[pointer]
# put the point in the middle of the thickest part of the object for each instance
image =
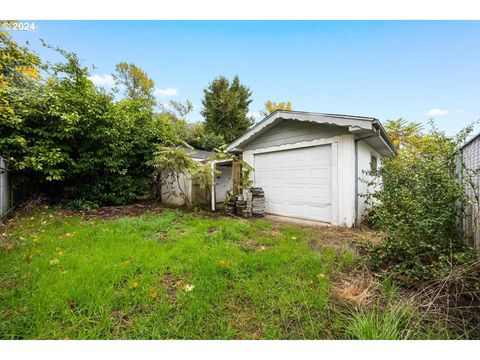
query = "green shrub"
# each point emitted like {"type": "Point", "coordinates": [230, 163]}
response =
{"type": "Point", "coordinates": [68, 139]}
{"type": "Point", "coordinates": [418, 203]}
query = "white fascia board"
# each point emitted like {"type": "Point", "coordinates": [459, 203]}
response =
{"type": "Point", "coordinates": [354, 123]}
{"type": "Point", "coordinates": [220, 162]}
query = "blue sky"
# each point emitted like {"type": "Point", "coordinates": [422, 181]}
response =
{"type": "Point", "coordinates": [385, 69]}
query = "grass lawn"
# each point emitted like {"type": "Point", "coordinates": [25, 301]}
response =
{"type": "Point", "coordinates": [176, 275]}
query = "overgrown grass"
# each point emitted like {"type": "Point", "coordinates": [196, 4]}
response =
{"type": "Point", "coordinates": [176, 275]}
{"type": "Point", "coordinates": [380, 324]}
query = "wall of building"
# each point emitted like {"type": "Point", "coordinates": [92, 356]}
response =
{"type": "Point", "coordinates": [172, 191]}
{"type": "Point", "coordinates": [287, 136]}
{"type": "Point", "coordinates": [364, 152]}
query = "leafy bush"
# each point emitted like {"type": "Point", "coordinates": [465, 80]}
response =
{"type": "Point", "coordinates": [66, 138]}
{"type": "Point", "coordinates": [170, 163]}
{"type": "Point", "coordinates": [418, 203]}
{"type": "Point", "coordinates": [193, 134]}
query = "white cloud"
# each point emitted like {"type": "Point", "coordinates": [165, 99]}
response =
{"type": "Point", "coordinates": [437, 112]}
{"type": "Point", "coordinates": [166, 92]}
{"type": "Point", "coordinates": [255, 114]}
{"type": "Point", "coordinates": [102, 80]}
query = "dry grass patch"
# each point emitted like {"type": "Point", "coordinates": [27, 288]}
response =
{"type": "Point", "coordinates": [357, 287]}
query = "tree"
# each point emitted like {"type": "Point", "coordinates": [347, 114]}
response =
{"type": "Point", "coordinates": [270, 107]}
{"type": "Point", "coordinates": [193, 134]}
{"type": "Point", "coordinates": [225, 108]}
{"type": "Point", "coordinates": [402, 132]}
{"type": "Point", "coordinates": [182, 109]}
{"type": "Point", "coordinates": [68, 139]}
{"type": "Point", "coordinates": [19, 70]}
{"type": "Point", "coordinates": [199, 138]}
{"type": "Point", "coordinates": [136, 82]}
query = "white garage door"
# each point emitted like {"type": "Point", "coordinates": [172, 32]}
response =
{"type": "Point", "coordinates": [297, 183]}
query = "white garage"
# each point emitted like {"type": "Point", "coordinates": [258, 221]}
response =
{"type": "Point", "coordinates": [311, 165]}
{"type": "Point", "coordinates": [297, 183]}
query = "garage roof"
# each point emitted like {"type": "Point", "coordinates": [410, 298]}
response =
{"type": "Point", "coordinates": [368, 129]}
{"type": "Point", "coordinates": [199, 154]}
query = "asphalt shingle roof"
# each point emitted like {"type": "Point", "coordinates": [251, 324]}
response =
{"type": "Point", "coordinates": [199, 154]}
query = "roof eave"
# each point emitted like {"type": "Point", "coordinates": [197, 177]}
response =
{"type": "Point", "coordinates": [349, 121]}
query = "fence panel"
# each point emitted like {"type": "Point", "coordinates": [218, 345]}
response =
{"type": "Point", "coordinates": [470, 154]}
{"type": "Point", "coordinates": [5, 190]}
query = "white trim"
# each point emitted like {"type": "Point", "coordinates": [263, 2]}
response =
{"type": "Point", "coordinates": [226, 161]}
{"type": "Point", "coordinates": [343, 172]}
{"type": "Point", "coordinates": [346, 180]}
{"type": "Point", "coordinates": [212, 192]}
{"type": "Point", "coordinates": [335, 197]}
{"type": "Point", "coordinates": [338, 203]}
{"type": "Point", "coordinates": [351, 122]}
{"type": "Point", "coordinates": [301, 144]}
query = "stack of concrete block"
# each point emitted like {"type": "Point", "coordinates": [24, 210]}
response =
{"type": "Point", "coordinates": [258, 201]}
{"type": "Point", "coordinates": [247, 212]}
{"type": "Point", "coordinates": [230, 208]}
{"type": "Point", "coordinates": [248, 209]}
{"type": "Point", "coordinates": [241, 205]}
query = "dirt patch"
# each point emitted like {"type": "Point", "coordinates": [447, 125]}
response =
{"type": "Point", "coordinates": [114, 212]}
{"type": "Point", "coordinates": [251, 245]}
{"type": "Point", "coordinates": [170, 284]}
{"type": "Point", "coordinates": [161, 237]}
{"type": "Point", "coordinates": [71, 304]}
{"type": "Point", "coordinates": [10, 283]}
{"type": "Point", "coordinates": [275, 232]}
{"type": "Point", "coordinates": [242, 317]}
{"type": "Point", "coordinates": [340, 237]}
{"type": "Point", "coordinates": [121, 322]}
{"type": "Point", "coordinates": [5, 313]}
{"type": "Point", "coordinates": [338, 234]}
{"type": "Point", "coordinates": [212, 229]}
{"type": "Point", "coordinates": [283, 220]}
{"type": "Point", "coordinates": [314, 245]}
{"type": "Point", "coordinates": [290, 324]}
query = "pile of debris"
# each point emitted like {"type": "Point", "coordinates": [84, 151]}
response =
{"type": "Point", "coordinates": [230, 207]}
{"type": "Point", "coordinates": [253, 205]}
{"type": "Point", "coordinates": [243, 209]}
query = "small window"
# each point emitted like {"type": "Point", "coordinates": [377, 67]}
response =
{"type": "Point", "coordinates": [373, 163]}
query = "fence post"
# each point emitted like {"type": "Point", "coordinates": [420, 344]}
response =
{"type": "Point", "coordinates": [5, 190]}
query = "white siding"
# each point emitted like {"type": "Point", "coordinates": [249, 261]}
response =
{"type": "Point", "coordinates": [292, 132]}
{"type": "Point", "coordinates": [171, 193]}
{"type": "Point", "coordinates": [364, 152]}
